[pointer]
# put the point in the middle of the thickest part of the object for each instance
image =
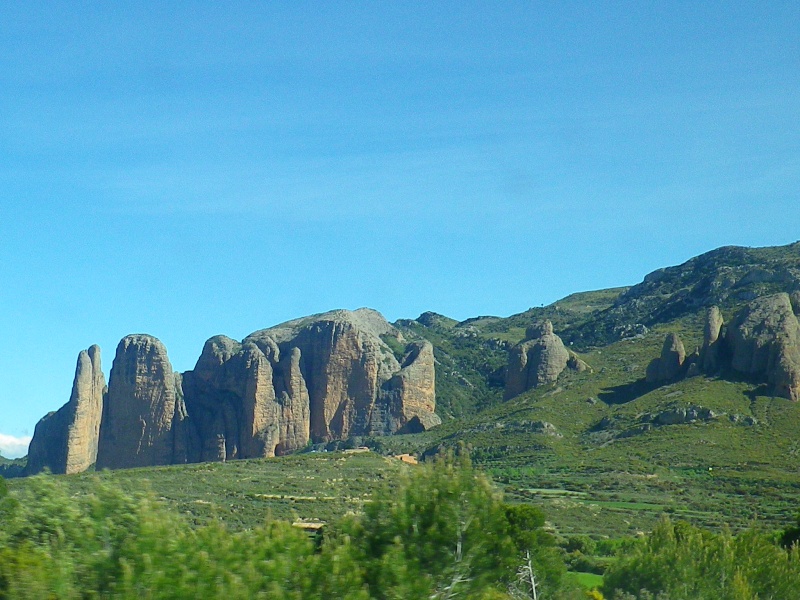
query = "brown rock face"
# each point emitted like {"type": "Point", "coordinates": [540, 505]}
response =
{"type": "Point", "coordinates": [293, 403]}
{"type": "Point", "coordinates": [66, 441]}
{"type": "Point", "coordinates": [356, 386]}
{"type": "Point", "coordinates": [712, 343]}
{"type": "Point", "coordinates": [141, 405]}
{"type": "Point", "coordinates": [324, 377]}
{"type": "Point", "coordinates": [344, 370]}
{"type": "Point", "coordinates": [247, 403]}
{"type": "Point", "coordinates": [48, 446]}
{"type": "Point", "coordinates": [407, 401]}
{"type": "Point", "coordinates": [764, 341]}
{"type": "Point", "coordinates": [538, 360]}
{"type": "Point", "coordinates": [321, 378]}
{"type": "Point", "coordinates": [88, 391]}
{"type": "Point", "coordinates": [713, 326]}
{"type": "Point", "coordinates": [670, 364]}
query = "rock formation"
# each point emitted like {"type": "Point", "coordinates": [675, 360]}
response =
{"type": "Point", "coordinates": [66, 441]}
{"type": "Point", "coordinates": [408, 399]}
{"type": "Point", "coordinates": [678, 416]}
{"type": "Point", "coordinates": [143, 407]}
{"type": "Point", "coordinates": [537, 360]}
{"type": "Point", "coordinates": [710, 359]}
{"type": "Point", "coordinates": [322, 378]}
{"type": "Point", "coordinates": [356, 385]}
{"type": "Point", "coordinates": [577, 364]}
{"type": "Point", "coordinates": [670, 364]}
{"type": "Point", "coordinates": [764, 341]}
{"type": "Point", "coordinates": [247, 402]}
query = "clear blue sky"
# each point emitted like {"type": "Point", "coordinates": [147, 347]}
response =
{"type": "Point", "coordinates": [192, 168]}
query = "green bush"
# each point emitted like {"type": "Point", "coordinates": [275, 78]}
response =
{"type": "Point", "coordinates": [111, 544]}
{"type": "Point", "coordinates": [445, 527]}
{"type": "Point", "coordinates": [679, 561]}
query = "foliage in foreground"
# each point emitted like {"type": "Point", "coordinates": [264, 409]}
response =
{"type": "Point", "coordinates": [680, 562]}
{"type": "Point", "coordinates": [443, 533]}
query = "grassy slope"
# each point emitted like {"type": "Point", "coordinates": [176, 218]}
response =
{"type": "Point", "coordinates": [244, 493]}
{"type": "Point", "coordinates": [625, 479]}
{"type": "Point", "coordinates": [604, 475]}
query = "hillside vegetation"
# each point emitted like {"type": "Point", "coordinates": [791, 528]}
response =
{"type": "Point", "coordinates": [586, 444]}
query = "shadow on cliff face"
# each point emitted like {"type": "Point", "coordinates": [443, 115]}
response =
{"type": "Point", "coordinates": [622, 394]}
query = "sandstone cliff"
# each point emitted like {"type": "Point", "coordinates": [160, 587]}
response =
{"type": "Point", "coordinates": [407, 401]}
{"type": "Point", "coordinates": [247, 402]}
{"type": "Point", "coordinates": [142, 408]}
{"type": "Point", "coordinates": [325, 377]}
{"type": "Point", "coordinates": [356, 385]}
{"type": "Point", "coordinates": [66, 441]}
{"type": "Point", "coordinates": [764, 341]}
{"type": "Point", "coordinates": [710, 354]}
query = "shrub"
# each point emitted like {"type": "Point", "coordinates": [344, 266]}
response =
{"type": "Point", "coordinates": [681, 561]}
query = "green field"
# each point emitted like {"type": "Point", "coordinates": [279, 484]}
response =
{"type": "Point", "coordinates": [243, 494]}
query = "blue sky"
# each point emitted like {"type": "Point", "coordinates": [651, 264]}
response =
{"type": "Point", "coordinates": [189, 169]}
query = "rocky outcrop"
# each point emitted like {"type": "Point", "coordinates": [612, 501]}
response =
{"type": "Point", "coordinates": [247, 402]}
{"type": "Point", "coordinates": [537, 360]}
{"type": "Point", "coordinates": [356, 385]}
{"type": "Point", "coordinates": [66, 441]}
{"type": "Point", "coordinates": [407, 401]}
{"type": "Point", "coordinates": [47, 449]}
{"type": "Point", "coordinates": [322, 378]}
{"type": "Point", "coordinates": [345, 363]}
{"type": "Point", "coordinates": [710, 359]}
{"type": "Point", "coordinates": [723, 277]}
{"type": "Point", "coordinates": [670, 364]}
{"type": "Point", "coordinates": [686, 414]}
{"type": "Point", "coordinates": [143, 411]}
{"type": "Point", "coordinates": [577, 364]}
{"type": "Point", "coordinates": [764, 341]}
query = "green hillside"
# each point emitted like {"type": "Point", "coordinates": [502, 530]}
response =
{"type": "Point", "coordinates": [588, 444]}
{"type": "Point", "coordinates": [594, 449]}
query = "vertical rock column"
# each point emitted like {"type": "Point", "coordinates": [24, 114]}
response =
{"type": "Point", "coordinates": [140, 406]}
{"type": "Point", "coordinates": [66, 441]}
{"type": "Point", "coordinates": [88, 391]}
{"type": "Point", "coordinates": [671, 363]}
{"type": "Point", "coordinates": [712, 340]}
